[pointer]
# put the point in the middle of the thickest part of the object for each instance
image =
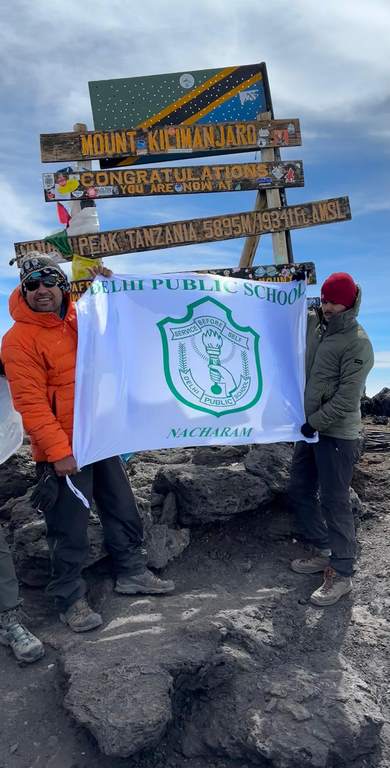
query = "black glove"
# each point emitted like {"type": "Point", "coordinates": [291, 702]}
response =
{"type": "Point", "coordinates": [45, 493]}
{"type": "Point", "coordinates": [307, 430]}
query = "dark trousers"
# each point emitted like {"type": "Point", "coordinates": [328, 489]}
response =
{"type": "Point", "coordinates": [9, 587]}
{"type": "Point", "coordinates": [321, 475]}
{"type": "Point", "coordinates": [107, 483]}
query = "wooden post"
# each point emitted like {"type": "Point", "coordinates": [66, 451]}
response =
{"type": "Point", "coordinates": [82, 128]}
{"type": "Point", "coordinates": [271, 198]}
{"type": "Point", "coordinates": [78, 214]}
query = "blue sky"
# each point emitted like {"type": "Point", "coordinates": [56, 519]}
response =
{"type": "Point", "coordinates": [328, 66]}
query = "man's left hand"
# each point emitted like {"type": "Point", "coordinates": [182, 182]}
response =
{"type": "Point", "coordinates": [98, 270]}
{"type": "Point", "coordinates": [307, 430]}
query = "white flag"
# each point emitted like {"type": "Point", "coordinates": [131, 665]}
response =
{"type": "Point", "coordinates": [11, 427]}
{"type": "Point", "coordinates": [167, 361]}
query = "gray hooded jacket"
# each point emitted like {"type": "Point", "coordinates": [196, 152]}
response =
{"type": "Point", "coordinates": [339, 356]}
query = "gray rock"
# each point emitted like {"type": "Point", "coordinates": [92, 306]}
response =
{"type": "Point", "coordinates": [271, 463]}
{"type": "Point", "coordinates": [156, 499]}
{"type": "Point", "coordinates": [31, 554]}
{"type": "Point", "coordinates": [164, 544]}
{"type": "Point", "coordinates": [380, 420]}
{"type": "Point", "coordinates": [129, 711]}
{"type": "Point", "coordinates": [290, 717]}
{"type": "Point", "coordinates": [17, 475]}
{"type": "Point", "coordinates": [380, 403]}
{"type": "Point", "coordinates": [6, 509]}
{"type": "Point", "coordinates": [31, 551]}
{"type": "Point", "coordinates": [203, 496]}
{"type": "Point", "coordinates": [220, 682]}
{"type": "Point", "coordinates": [169, 509]}
{"type": "Point", "coordinates": [19, 511]}
{"type": "Point", "coordinates": [121, 685]}
{"type": "Point", "coordinates": [163, 456]}
{"type": "Point", "coordinates": [215, 456]}
{"type": "Point", "coordinates": [365, 405]}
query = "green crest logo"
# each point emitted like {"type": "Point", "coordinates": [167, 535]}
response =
{"type": "Point", "coordinates": [211, 363]}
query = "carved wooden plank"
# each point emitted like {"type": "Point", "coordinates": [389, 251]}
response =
{"type": "Point", "coordinates": [281, 273]}
{"type": "Point", "coordinates": [135, 182]}
{"type": "Point", "coordinates": [198, 138]}
{"type": "Point", "coordinates": [273, 273]}
{"type": "Point", "coordinates": [204, 230]}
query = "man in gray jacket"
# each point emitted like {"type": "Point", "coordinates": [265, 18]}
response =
{"type": "Point", "coordinates": [339, 356]}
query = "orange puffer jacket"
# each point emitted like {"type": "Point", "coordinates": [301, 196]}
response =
{"type": "Point", "coordinates": [39, 356]}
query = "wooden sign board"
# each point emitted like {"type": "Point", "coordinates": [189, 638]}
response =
{"type": "Point", "coordinates": [204, 230]}
{"type": "Point", "coordinates": [272, 273]}
{"type": "Point", "coordinates": [264, 273]}
{"type": "Point", "coordinates": [174, 98]}
{"type": "Point", "coordinates": [66, 184]}
{"type": "Point", "coordinates": [206, 138]}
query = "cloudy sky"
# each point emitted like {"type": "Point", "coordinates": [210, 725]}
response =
{"type": "Point", "coordinates": [328, 65]}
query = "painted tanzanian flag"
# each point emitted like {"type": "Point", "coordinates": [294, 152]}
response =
{"type": "Point", "coordinates": [207, 95]}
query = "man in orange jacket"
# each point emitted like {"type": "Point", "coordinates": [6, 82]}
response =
{"type": "Point", "coordinates": [39, 355]}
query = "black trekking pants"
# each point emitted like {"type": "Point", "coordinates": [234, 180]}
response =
{"type": "Point", "coordinates": [320, 478]}
{"type": "Point", "coordinates": [107, 483]}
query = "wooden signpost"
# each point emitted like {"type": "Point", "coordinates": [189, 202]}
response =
{"type": "Point", "coordinates": [264, 272]}
{"type": "Point", "coordinates": [201, 138]}
{"type": "Point", "coordinates": [202, 230]}
{"type": "Point", "coordinates": [66, 184]}
{"type": "Point", "coordinates": [171, 124]}
{"type": "Point", "coordinates": [270, 273]}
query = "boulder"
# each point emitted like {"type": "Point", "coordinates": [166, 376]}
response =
{"type": "Point", "coordinates": [121, 685]}
{"type": "Point", "coordinates": [17, 475]}
{"type": "Point", "coordinates": [380, 420]}
{"type": "Point", "coordinates": [290, 717]}
{"type": "Point", "coordinates": [164, 543]}
{"type": "Point", "coordinates": [380, 403]}
{"type": "Point", "coordinates": [366, 406]}
{"type": "Point", "coordinates": [204, 495]}
{"type": "Point", "coordinates": [272, 464]}
{"type": "Point", "coordinates": [31, 551]}
{"type": "Point", "coordinates": [162, 456]}
{"type": "Point", "coordinates": [222, 683]}
{"type": "Point", "coordinates": [215, 456]}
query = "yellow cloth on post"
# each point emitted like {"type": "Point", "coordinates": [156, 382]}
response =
{"type": "Point", "coordinates": [81, 265]}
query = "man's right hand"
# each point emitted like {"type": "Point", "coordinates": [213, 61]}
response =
{"type": "Point", "coordinates": [66, 466]}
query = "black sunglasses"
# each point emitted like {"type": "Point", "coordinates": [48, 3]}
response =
{"type": "Point", "coordinates": [49, 281]}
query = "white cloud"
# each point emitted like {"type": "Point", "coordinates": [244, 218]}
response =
{"type": "Point", "coordinates": [20, 215]}
{"type": "Point", "coordinates": [328, 60]}
{"type": "Point", "coordinates": [365, 207]}
{"type": "Point", "coordinates": [382, 359]}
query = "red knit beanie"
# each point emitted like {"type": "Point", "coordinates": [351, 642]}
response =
{"type": "Point", "coordinates": [339, 288]}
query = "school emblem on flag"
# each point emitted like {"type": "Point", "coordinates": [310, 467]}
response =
{"type": "Point", "coordinates": [211, 363]}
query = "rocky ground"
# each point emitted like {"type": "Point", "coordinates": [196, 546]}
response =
{"type": "Point", "coordinates": [236, 668]}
